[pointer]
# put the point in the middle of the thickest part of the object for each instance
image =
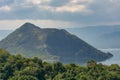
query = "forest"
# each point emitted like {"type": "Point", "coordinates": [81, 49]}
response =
{"type": "Point", "coordinates": [17, 67]}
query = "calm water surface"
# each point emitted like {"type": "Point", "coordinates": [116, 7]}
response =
{"type": "Point", "coordinates": [116, 56]}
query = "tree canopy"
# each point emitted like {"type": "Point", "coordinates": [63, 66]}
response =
{"type": "Point", "coordinates": [16, 67]}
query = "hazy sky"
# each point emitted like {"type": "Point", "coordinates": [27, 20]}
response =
{"type": "Point", "coordinates": [59, 13]}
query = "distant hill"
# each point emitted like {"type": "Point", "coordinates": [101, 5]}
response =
{"type": "Point", "coordinates": [51, 44]}
{"type": "Point", "coordinates": [112, 39]}
{"type": "Point", "coordinates": [99, 36]}
{"type": "Point", "coordinates": [4, 33]}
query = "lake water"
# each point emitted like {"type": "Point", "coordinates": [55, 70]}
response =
{"type": "Point", "coordinates": [115, 59]}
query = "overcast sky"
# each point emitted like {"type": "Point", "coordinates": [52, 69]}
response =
{"type": "Point", "coordinates": [59, 13]}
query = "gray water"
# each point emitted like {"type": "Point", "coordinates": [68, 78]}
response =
{"type": "Point", "coordinates": [116, 56]}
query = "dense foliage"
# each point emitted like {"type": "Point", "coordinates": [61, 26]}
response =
{"type": "Point", "coordinates": [16, 67]}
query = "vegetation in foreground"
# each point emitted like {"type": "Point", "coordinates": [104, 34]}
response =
{"type": "Point", "coordinates": [16, 67]}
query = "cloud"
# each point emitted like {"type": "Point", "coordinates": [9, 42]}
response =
{"type": "Point", "coordinates": [71, 8]}
{"type": "Point", "coordinates": [67, 6]}
{"type": "Point", "coordinates": [81, 1]}
{"type": "Point", "coordinates": [55, 5]}
{"type": "Point", "coordinates": [37, 2]}
{"type": "Point", "coordinates": [45, 9]}
{"type": "Point", "coordinates": [106, 9]}
{"type": "Point", "coordinates": [78, 11]}
{"type": "Point", "coordinates": [5, 8]}
{"type": "Point", "coordinates": [6, 2]}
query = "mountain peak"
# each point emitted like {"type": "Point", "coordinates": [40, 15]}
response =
{"type": "Point", "coordinates": [50, 44]}
{"type": "Point", "coordinates": [28, 26]}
